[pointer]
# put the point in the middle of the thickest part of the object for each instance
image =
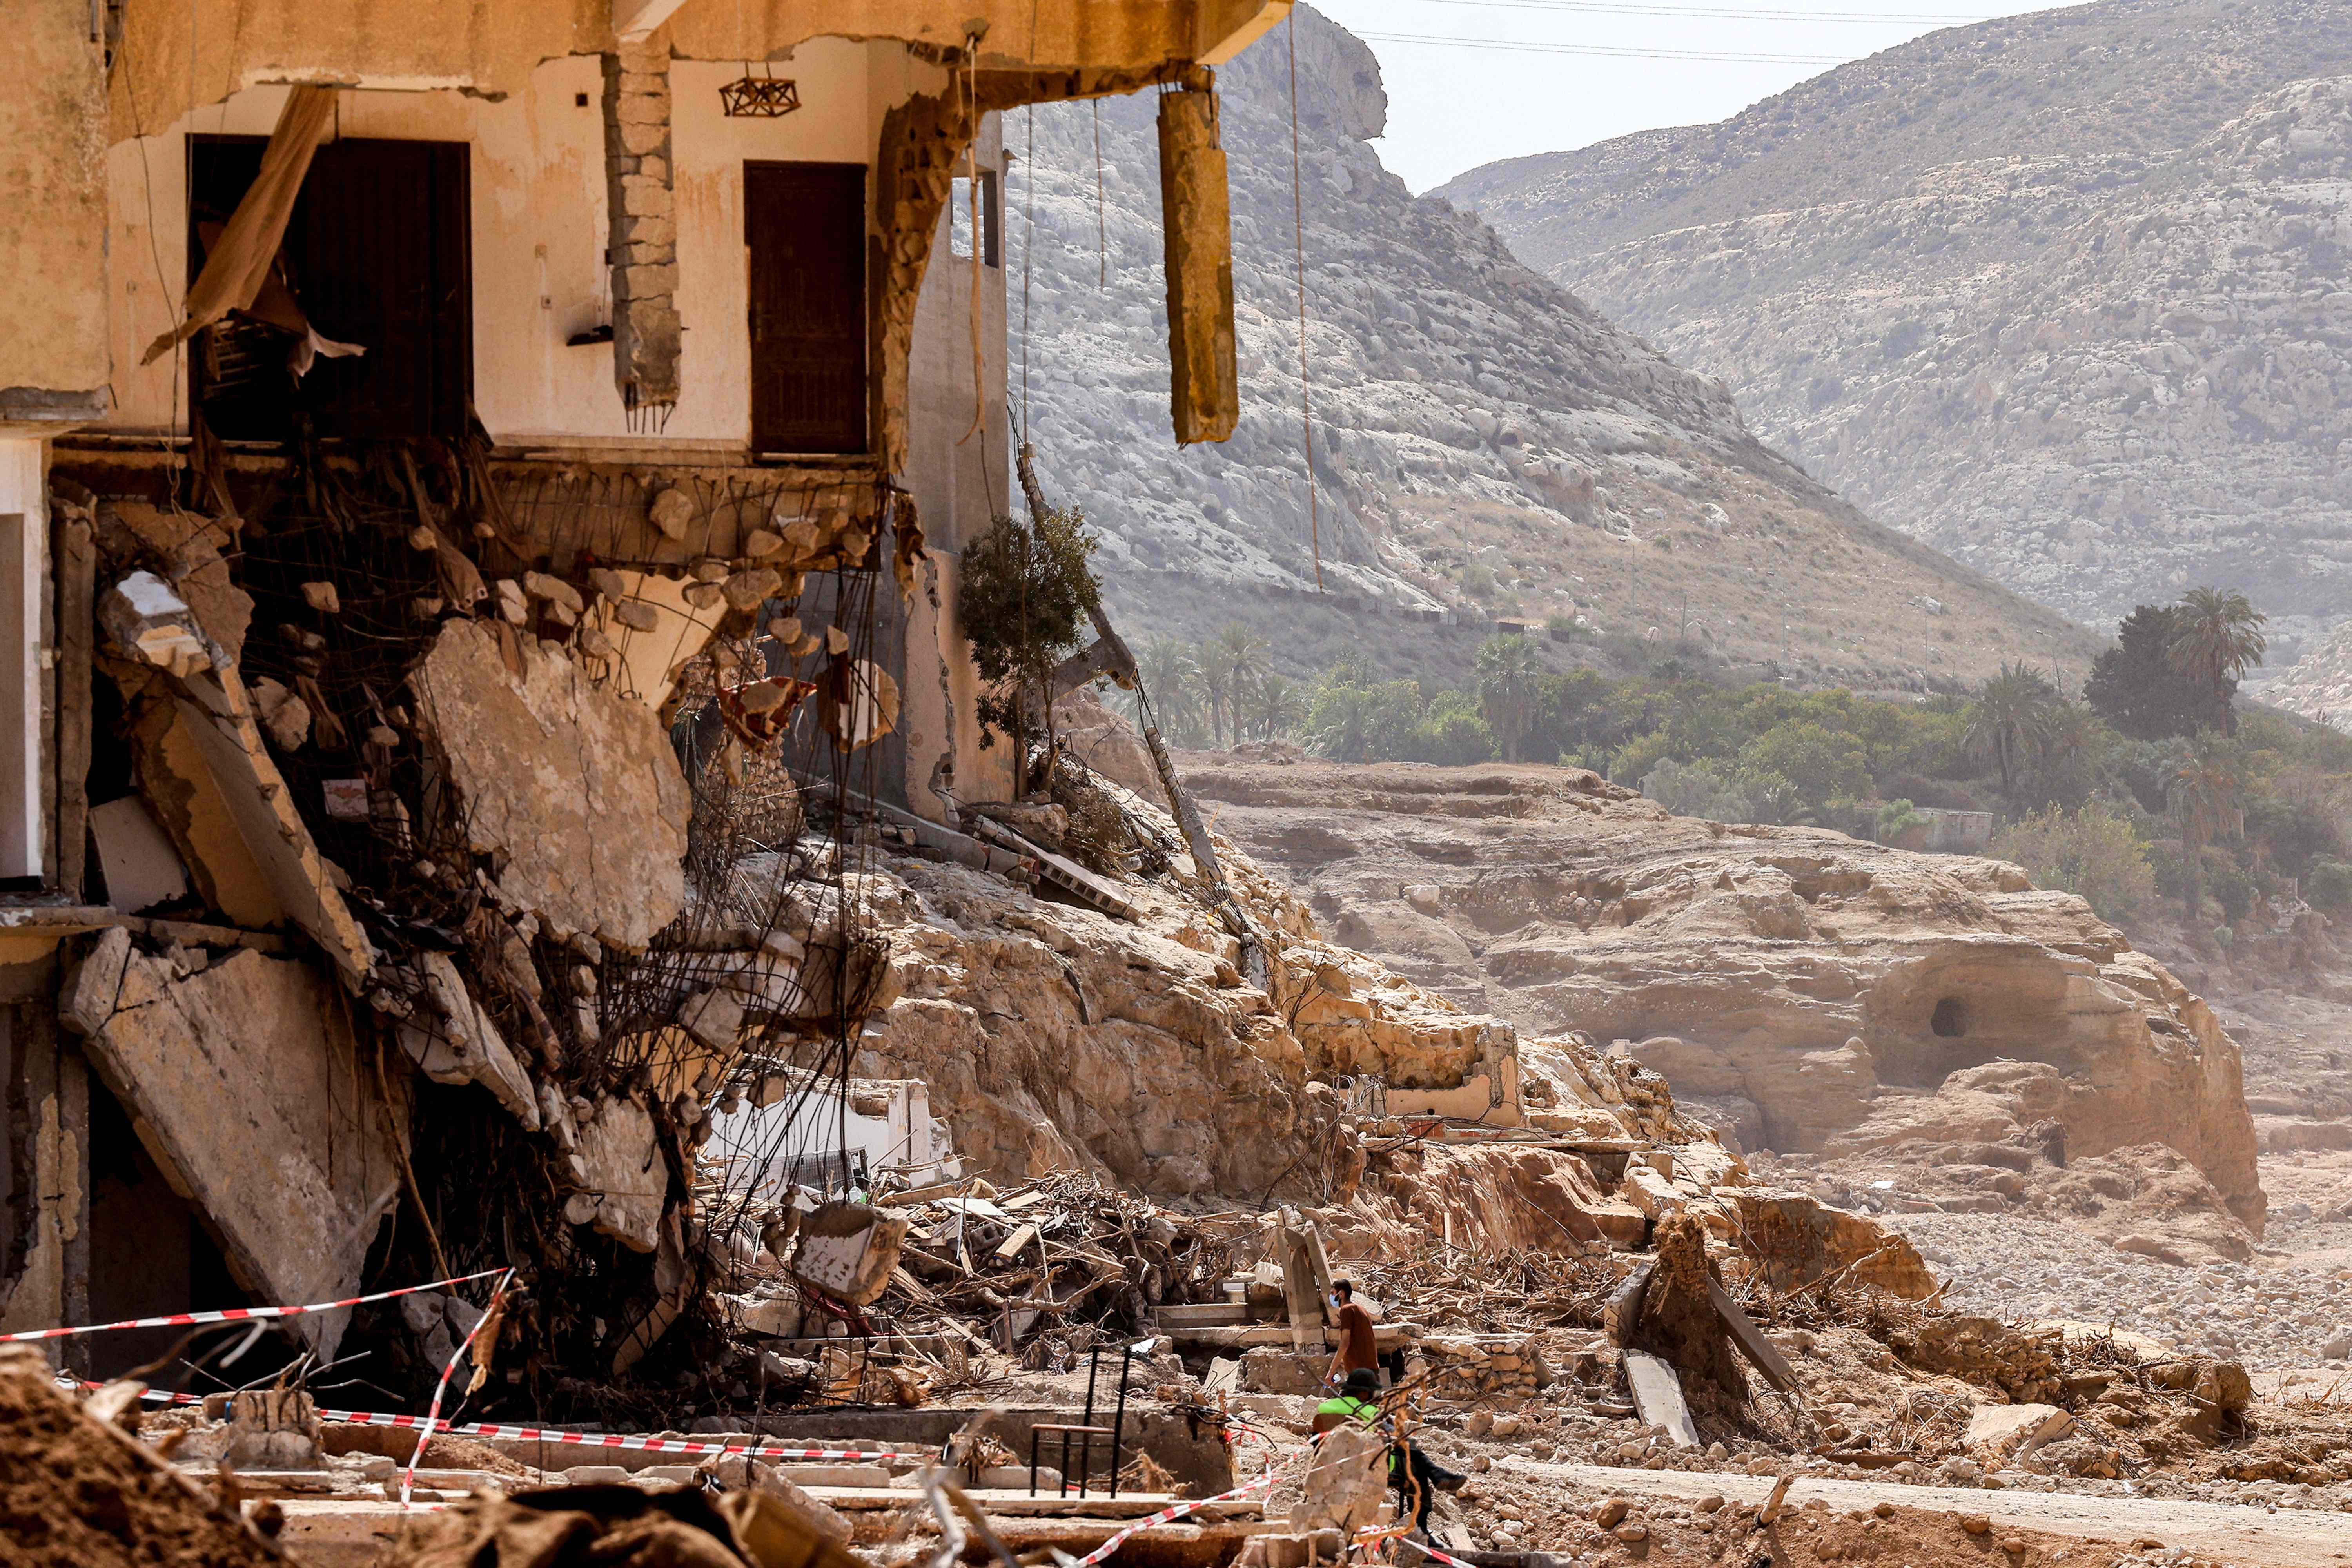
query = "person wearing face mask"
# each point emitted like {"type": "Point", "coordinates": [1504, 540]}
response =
{"type": "Point", "coordinates": [1358, 1345]}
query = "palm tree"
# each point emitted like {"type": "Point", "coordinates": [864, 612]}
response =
{"type": "Point", "coordinates": [1277, 707]}
{"type": "Point", "coordinates": [2203, 794]}
{"type": "Point", "coordinates": [1508, 671]}
{"type": "Point", "coordinates": [1173, 681]}
{"type": "Point", "coordinates": [2217, 635]}
{"type": "Point", "coordinates": [1232, 664]}
{"type": "Point", "coordinates": [2006, 717]}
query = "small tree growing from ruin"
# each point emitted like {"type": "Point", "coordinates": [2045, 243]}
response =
{"type": "Point", "coordinates": [1026, 596]}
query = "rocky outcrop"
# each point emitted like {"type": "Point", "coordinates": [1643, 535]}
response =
{"type": "Point", "coordinates": [1483, 441]}
{"type": "Point", "coordinates": [1817, 989]}
{"type": "Point", "coordinates": [2060, 294]}
{"type": "Point", "coordinates": [1052, 1036]}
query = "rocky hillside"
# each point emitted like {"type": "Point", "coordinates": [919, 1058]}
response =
{"type": "Point", "coordinates": [1808, 993]}
{"type": "Point", "coordinates": [2062, 294]}
{"type": "Point", "coordinates": [1482, 438]}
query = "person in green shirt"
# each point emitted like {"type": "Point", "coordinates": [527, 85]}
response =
{"type": "Point", "coordinates": [1417, 1477]}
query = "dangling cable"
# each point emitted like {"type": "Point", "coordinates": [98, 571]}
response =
{"type": "Point", "coordinates": [1028, 228]}
{"type": "Point", "coordinates": [1102, 232]}
{"type": "Point", "coordinates": [1298, 245]}
{"type": "Point", "coordinates": [972, 171]}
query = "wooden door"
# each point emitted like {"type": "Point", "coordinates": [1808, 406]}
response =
{"type": "Point", "coordinates": [804, 225]}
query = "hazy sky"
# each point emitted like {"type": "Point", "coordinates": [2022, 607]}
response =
{"type": "Point", "coordinates": [1511, 79]}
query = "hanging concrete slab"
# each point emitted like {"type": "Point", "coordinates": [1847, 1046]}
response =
{"type": "Point", "coordinates": [574, 785]}
{"type": "Point", "coordinates": [146, 620]}
{"type": "Point", "coordinates": [247, 1088]}
{"type": "Point", "coordinates": [142, 870]}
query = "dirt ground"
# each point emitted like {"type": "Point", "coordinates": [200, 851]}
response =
{"type": "Point", "coordinates": [1922, 1527]}
{"type": "Point", "coordinates": [70, 1497]}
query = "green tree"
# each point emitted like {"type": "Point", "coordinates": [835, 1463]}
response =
{"type": "Point", "coordinates": [1025, 596]}
{"type": "Point", "coordinates": [2095, 852]}
{"type": "Point", "coordinates": [2007, 718]}
{"type": "Point", "coordinates": [1171, 679]}
{"type": "Point", "coordinates": [2206, 787]}
{"type": "Point", "coordinates": [1277, 708]}
{"type": "Point", "coordinates": [1821, 764]}
{"type": "Point", "coordinates": [1510, 676]}
{"type": "Point", "coordinates": [2136, 687]}
{"type": "Point", "coordinates": [1232, 664]}
{"type": "Point", "coordinates": [2217, 635]}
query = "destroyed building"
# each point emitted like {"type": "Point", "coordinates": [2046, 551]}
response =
{"type": "Point", "coordinates": [481, 501]}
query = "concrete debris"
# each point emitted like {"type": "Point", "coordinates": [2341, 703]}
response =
{"type": "Point", "coordinates": [141, 867]}
{"type": "Point", "coordinates": [2012, 1431]}
{"type": "Point", "coordinates": [146, 621]}
{"type": "Point", "coordinates": [622, 1182]}
{"type": "Point", "coordinates": [322, 597]}
{"type": "Point", "coordinates": [454, 1041]}
{"type": "Point", "coordinates": [544, 763]}
{"type": "Point", "coordinates": [245, 1065]}
{"type": "Point", "coordinates": [284, 716]}
{"type": "Point", "coordinates": [848, 1250]}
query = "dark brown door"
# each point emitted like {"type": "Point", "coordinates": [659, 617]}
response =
{"type": "Point", "coordinates": [805, 226]}
{"type": "Point", "coordinates": [377, 254]}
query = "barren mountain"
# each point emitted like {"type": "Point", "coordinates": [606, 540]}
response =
{"type": "Point", "coordinates": [1483, 441]}
{"type": "Point", "coordinates": [2064, 294]}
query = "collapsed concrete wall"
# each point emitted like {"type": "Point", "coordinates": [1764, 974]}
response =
{"type": "Point", "coordinates": [249, 1089]}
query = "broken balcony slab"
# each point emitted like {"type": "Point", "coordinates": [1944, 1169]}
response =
{"type": "Point", "coordinates": [544, 763]}
{"type": "Point", "coordinates": [246, 1083]}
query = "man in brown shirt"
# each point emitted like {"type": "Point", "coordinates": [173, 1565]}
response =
{"type": "Point", "coordinates": [1358, 1346]}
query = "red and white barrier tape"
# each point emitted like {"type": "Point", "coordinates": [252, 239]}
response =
{"type": "Point", "coordinates": [242, 1314]}
{"type": "Point", "coordinates": [620, 1440]}
{"type": "Point", "coordinates": [1174, 1511]}
{"type": "Point", "coordinates": [432, 1415]}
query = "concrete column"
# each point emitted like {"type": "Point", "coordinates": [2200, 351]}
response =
{"type": "Point", "coordinates": [23, 534]}
{"type": "Point", "coordinates": [641, 196]}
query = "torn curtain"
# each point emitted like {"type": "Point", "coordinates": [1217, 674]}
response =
{"type": "Point", "coordinates": [235, 269]}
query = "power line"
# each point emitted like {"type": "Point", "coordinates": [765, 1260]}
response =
{"type": "Point", "coordinates": [1608, 52]}
{"type": "Point", "coordinates": [1614, 7]}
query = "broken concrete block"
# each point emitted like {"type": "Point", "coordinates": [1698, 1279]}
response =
{"type": "Point", "coordinates": [848, 1250]}
{"type": "Point", "coordinates": [608, 584]}
{"type": "Point", "coordinates": [2009, 1430]}
{"type": "Point", "coordinates": [710, 569]}
{"type": "Point", "coordinates": [760, 543]}
{"type": "Point", "coordinates": [1658, 1396]}
{"type": "Point", "coordinates": [285, 717]}
{"type": "Point", "coordinates": [596, 645]}
{"type": "Point", "coordinates": [142, 870]}
{"type": "Point", "coordinates": [672, 508]}
{"type": "Point", "coordinates": [638, 616]}
{"type": "Point", "coordinates": [749, 590]}
{"type": "Point", "coordinates": [513, 606]}
{"type": "Point", "coordinates": [1347, 1483]}
{"type": "Point", "coordinates": [714, 1016]}
{"type": "Point", "coordinates": [144, 619]}
{"type": "Point", "coordinates": [702, 595]}
{"type": "Point", "coordinates": [555, 590]}
{"type": "Point", "coordinates": [575, 784]}
{"type": "Point", "coordinates": [628, 1180]}
{"type": "Point", "coordinates": [244, 1069]}
{"type": "Point", "coordinates": [322, 597]}
{"type": "Point", "coordinates": [462, 1044]}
